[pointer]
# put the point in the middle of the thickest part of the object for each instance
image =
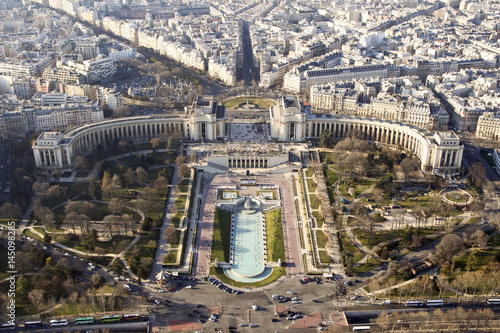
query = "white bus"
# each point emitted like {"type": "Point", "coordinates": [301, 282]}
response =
{"type": "Point", "coordinates": [361, 328]}
{"type": "Point", "coordinates": [414, 303]}
{"type": "Point", "coordinates": [58, 322]}
{"type": "Point", "coordinates": [8, 326]}
{"type": "Point", "coordinates": [494, 301]}
{"type": "Point", "coordinates": [435, 302]}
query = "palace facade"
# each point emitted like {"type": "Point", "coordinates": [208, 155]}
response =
{"type": "Point", "coordinates": [439, 152]}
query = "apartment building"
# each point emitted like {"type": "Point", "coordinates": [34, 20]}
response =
{"type": "Point", "coordinates": [64, 76]}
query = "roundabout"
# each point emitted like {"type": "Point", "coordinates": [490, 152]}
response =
{"type": "Point", "coordinates": [456, 197]}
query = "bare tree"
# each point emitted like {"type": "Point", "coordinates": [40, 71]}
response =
{"type": "Point", "coordinates": [110, 221]}
{"type": "Point", "coordinates": [73, 300]}
{"type": "Point", "coordinates": [122, 111]}
{"type": "Point", "coordinates": [116, 205]}
{"type": "Point", "coordinates": [449, 247]}
{"type": "Point", "coordinates": [72, 220]}
{"type": "Point", "coordinates": [477, 173]}
{"type": "Point", "coordinates": [141, 174]}
{"type": "Point", "coordinates": [36, 298]}
{"type": "Point", "coordinates": [126, 221]}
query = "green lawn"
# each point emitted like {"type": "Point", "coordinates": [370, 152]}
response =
{"type": "Point", "coordinates": [314, 201]}
{"type": "Point", "coordinates": [40, 230]}
{"type": "Point", "coordinates": [183, 185]}
{"type": "Point", "coordinates": [221, 236]}
{"type": "Point", "coordinates": [274, 236]}
{"type": "Point", "coordinates": [104, 261]}
{"type": "Point", "coordinates": [176, 244]}
{"type": "Point", "coordinates": [321, 239]}
{"type": "Point", "coordinates": [115, 245]}
{"type": "Point", "coordinates": [374, 238]}
{"type": "Point", "coordinates": [331, 176]}
{"type": "Point", "coordinates": [262, 103]}
{"type": "Point", "coordinates": [176, 219]}
{"type": "Point", "coordinates": [319, 219]}
{"type": "Point", "coordinates": [146, 246]}
{"type": "Point", "coordinates": [483, 258]}
{"type": "Point", "coordinates": [153, 173]}
{"type": "Point", "coordinates": [309, 172]}
{"type": "Point", "coordinates": [276, 274]}
{"type": "Point", "coordinates": [311, 185]}
{"type": "Point", "coordinates": [348, 246]}
{"type": "Point", "coordinates": [5, 222]}
{"type": "Point", "coordinates": [495, 240]}
{"type": "Point", "coordinates": [154, 159]}
{"type": "Point", "coordinates": [324, 258]}
{"type": "Point", "coordinates": [29, 233]}
{"type": "Point", "coordinates": [371, 263]}
{"type": "Point", "coordinates": [181, 202]}
{"type": "Point", "coordinates": [111, 245]}
{"type": "Point", "coordinates": [170, 258]}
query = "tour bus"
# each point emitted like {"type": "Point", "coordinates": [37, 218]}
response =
{"type": "Point", "coordinates": [84, 320]}
{"type": "Point", "coordinates": [31, 324]}
{"type": "Point", "coordinates": [435, 302]}
{"type": "Point", "coordinates": [414, 303]}
{"type": "Point", "coordinates": [106, 319]}
{"type": "Point", "coordinates": [361, 328]}
{"type": "Point", "coordinates": [134, 316]}
{"type": "Point", "coordinates": [59, 322]}
{"type": "Point", "coordinates": [9, 326]}
{"type": "Point", "coordinates": [494, 301]}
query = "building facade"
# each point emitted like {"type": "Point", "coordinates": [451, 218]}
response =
{"type": "Point", "coordinates": [440, 153]}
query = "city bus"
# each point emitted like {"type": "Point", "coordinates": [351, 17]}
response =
{"type": "Point", "coordinates": [134, 316]}
{"type": "Point", "coordinates": [494, 301]}
{"type": "Point", "coordinates": [106, 319]}
{"type": "Point", "coordinates": [434, 302]}
{"type": "Point", "coordinates": [361, 328]}
{"type": "Point", "coordinates": [8, 326]}
{"type": "Point", "coordinates": [84, 320]}
{"type": "Point", "coordinates": [414, 303]}
{"type": "Point", "coordinates": [59, 322]}
{"type": "Point", "coordinates": [31, 324]}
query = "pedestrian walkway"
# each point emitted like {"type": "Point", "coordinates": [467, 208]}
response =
{"type": "Point", "coordinates": [161, 249]}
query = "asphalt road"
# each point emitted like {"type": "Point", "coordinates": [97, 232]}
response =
{"type": "Point", "coordinates": [5, 168]}
{"type": "Point", "coordinates": [249, 72]}
{"type": "Point", "coordinates": [472, 155]}
{"type": "Point", "coordinates": [116, 327]}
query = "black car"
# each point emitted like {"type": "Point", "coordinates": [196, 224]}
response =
{"type": "Point", "coordinates": [231, 328]}
{"type": "Point", "coordinates": [275, 320]}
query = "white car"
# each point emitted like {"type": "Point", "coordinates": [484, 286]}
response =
{"type": "Point", "coordinates": [291, 293]}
